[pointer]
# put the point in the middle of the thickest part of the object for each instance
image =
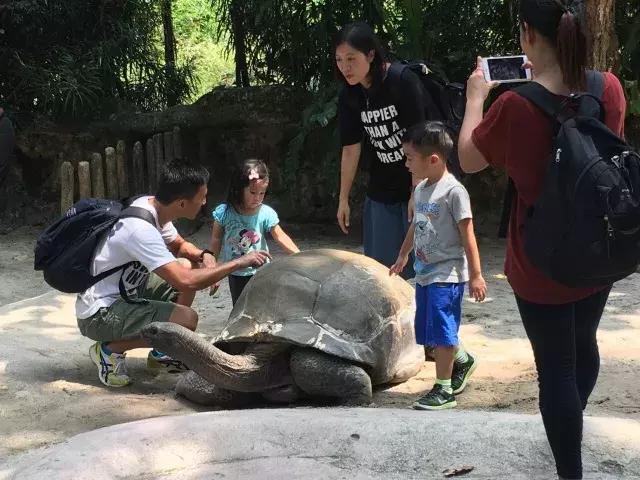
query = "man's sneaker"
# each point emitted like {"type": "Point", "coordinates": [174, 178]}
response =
{"type": "Point", "coordinates": [436, 399]}
{"type": "Point", "coordinates": [461, 373]}
{"type": "Point", "coordinates": [165, 362]}
{"type": "Point", "coordinates": [112, 370]}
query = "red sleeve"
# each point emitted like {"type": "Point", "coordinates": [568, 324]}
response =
{"type": "Point", "coordinates": [487, 136]}
{"type": "Point", "coordinates": [507, 122]}
{"type": "Point", "coordinates": [615, 104]}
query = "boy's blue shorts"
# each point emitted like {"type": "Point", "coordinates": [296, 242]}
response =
{"type": "Point", "coordinates": [438, 313]}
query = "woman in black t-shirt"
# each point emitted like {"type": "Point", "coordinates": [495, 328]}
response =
{"type": "Point", "coordinates": [377, 110]}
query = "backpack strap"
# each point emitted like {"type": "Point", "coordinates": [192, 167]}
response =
{"type": "Point", "coordinates": [507, 205]}
{"type": "Point", "coordinates": [138, 212]}
{"type": "Point", "coordinates": [595, 83]}
{"type": "Point", "coordinates": [143, 214]}
{"type": "Point", "coordinates": [551, 105]}
{"type": "Point", "coordinates": [394, 71]}
{"type": "Point", "coordinates": [541, 98]}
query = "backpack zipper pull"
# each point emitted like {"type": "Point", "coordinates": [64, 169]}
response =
{"type": "Point", "coordinates": [558, 152]}
{"type": "Point", "coordinates": [610, 237]}
{"type": "Point", "coordinates": [616, 160]}
{"type": "Point", "coordinates": [610, 232]}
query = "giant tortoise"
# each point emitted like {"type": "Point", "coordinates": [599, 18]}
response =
{"type": "Point", "coordinates": [325, 324]}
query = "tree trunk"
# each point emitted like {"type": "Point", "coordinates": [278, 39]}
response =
{"type": "Point", "coordinates": [601, 34]}
{"type": "Point", "coordinates": [239, 43]}
{"type": "Point", "coordinates": [169, 52]}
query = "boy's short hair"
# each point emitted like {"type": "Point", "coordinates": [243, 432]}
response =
{"type": "Point", "coordinates": [430, 137]}
{"type": "Point", "coordinates": [180, 180]}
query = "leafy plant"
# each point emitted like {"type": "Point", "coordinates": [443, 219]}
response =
{"type": "Point", "coordinates": [320, 114]}
{"type": "Point", "coordinates": [81, 58]}
{"type": "Point", "coordinates": [66, 85]}
{"type": "Point", "coordinates": [628, 29]}
{"type": "Point", "coordinates": [196, 29]}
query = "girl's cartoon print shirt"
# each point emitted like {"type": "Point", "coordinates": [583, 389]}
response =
{"type": "Point", "coordinates": [244, 233]}
{"type": "Point", "coordinates": [438, 248]}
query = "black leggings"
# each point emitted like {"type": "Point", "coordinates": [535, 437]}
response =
{"type": "Point", "coordinates": [563, 338]}
{"type": "Point", "coordinates": [237, 284]}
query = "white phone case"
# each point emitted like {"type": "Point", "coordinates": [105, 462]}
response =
{"type": "Point", "coordinates": [487, 73]}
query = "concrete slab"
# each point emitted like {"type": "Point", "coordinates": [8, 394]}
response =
{"type": "Point", "coordinates": [339, 443]}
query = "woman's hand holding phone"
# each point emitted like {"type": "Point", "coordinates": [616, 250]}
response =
{"type": "Point", "coordinates": [477, 86]}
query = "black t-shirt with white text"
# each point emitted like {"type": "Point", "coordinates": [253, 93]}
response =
{"type": "Point", "coordinates": [381, 117]}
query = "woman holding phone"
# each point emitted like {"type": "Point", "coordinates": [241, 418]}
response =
{"type": "Point", "coordinates": [561, 322]}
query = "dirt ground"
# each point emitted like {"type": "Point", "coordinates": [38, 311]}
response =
{"type": "Point", "coordinates": [49, 389]}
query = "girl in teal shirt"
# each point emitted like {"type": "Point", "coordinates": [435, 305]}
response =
{"type": "Point", "coordinates": [240, 224]}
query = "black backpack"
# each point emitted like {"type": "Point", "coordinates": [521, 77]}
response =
{"type": "Point", "coordinates": [444, 101]}
{"type": "Point", "coordinates": [584, 229]}
{"type": "Point", "coordinates": [65, 250]}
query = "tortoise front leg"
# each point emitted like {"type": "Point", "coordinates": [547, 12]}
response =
{"type": "Point", "coordinates": [287, 394]}
{"type": "Point", "coordinates": [195, 388]}
{"type": "Point", "coordinates": [321, 375]}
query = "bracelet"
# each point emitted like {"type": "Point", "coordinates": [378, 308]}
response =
{"type": "Point", "coordinates": [201, 257]}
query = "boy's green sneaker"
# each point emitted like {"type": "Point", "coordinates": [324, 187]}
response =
{"type": "Point", "coordinates": [461, 373]}
{"type": "Point", "coordinates": [112, 370]}
{"type": "Point", "coordinates": [436, 399]}
{"type": "Point", "coordinates": [159, 361]}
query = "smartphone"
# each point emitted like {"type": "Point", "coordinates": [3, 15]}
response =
{"type": "Point", "coordinates": [506, 69]}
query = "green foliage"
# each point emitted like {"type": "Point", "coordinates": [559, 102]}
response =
{"type": "Point", "coordinates": [320, 114]}
{"type": "Point", "coordinates": [289, 41]}
{"type": "Point", "coordinates": [628, 29]}
{"type": "Point", "coordinates": [451, 33]}
{"type": "Point", "coordinates": [64, 84]}
{"type": "Point", "coordinates": [78, 58]}
{"type": "Point", "coordinates": [196, 29]}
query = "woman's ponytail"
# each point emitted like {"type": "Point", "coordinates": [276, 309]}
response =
{"type": "Point", "coordinates": [571, 46]}
{"type": "Point", "coordinates": [557, 21]}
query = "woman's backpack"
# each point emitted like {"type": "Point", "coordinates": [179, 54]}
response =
{"type": "Point", "coordinates": [65, 250]}
{"type": "Point", "coordinates": [584, 229]}
{"type": "Point", "coordinates": [443, 101]}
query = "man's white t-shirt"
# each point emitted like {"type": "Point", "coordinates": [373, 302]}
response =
{"type": "Point", "coordinates": [130, 240]}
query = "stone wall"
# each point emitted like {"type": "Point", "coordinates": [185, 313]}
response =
{"type": "Point", "coordinates": [221, 128]}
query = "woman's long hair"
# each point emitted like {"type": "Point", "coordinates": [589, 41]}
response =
{"type": "Point", "coordinates": [360, 36]}
{"type": "Point", "coordinates": [559, 22]}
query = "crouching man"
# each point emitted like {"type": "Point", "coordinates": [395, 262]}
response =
{"type": "Point", "coordinates": [161, 280]}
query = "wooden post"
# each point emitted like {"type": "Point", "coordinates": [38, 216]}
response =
{"type": "Point", "coordinates": [121, 167]}
{"type": "Point", "coordinates": [66, 186]}
{"type": "Point", "coordinates": [97, 176]}
{"type": "Point", "coordinates": [111, 176]}
{"type": "Point", "coordinates": [168, 146]}
{"type": "Point", "coordinates": [84, 180]}
{"type": "Point", "coordinates": [158, 151]}
{"type": "Point", "coordinates": [138, 169]}
{"type": "Point", "coordinates": [177, 143]}
{"type": "Point", "coordinates": [152, 176]}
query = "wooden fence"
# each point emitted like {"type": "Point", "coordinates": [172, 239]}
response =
{"type": "Point", "coordinates": [114, 175]}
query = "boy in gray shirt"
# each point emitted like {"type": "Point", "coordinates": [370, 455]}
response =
{"type": "Point", "coordinates": [446, 257]}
